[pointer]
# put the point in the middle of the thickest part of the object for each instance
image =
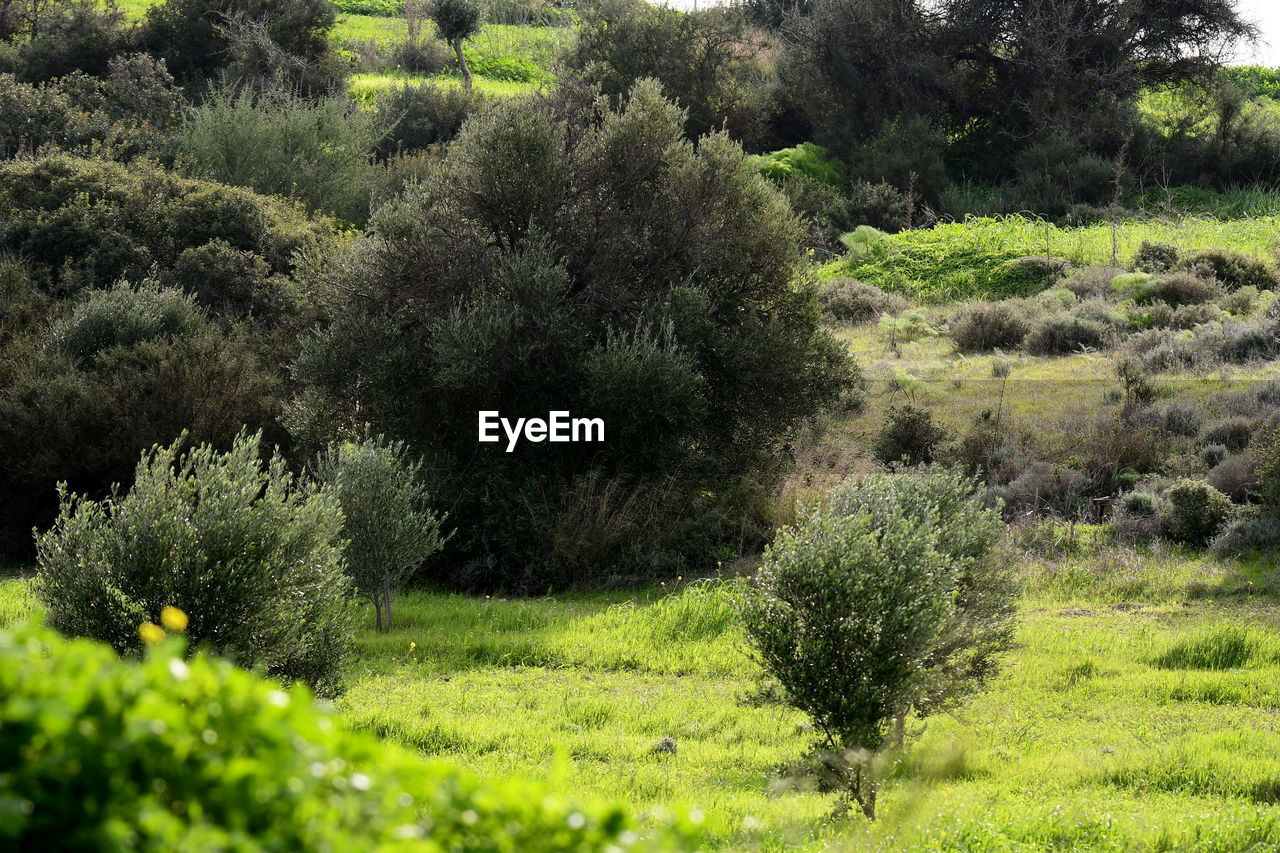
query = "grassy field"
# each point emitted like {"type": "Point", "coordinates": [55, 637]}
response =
{"type": "Point", "coordinates": [962, 260]}
{"type": "Point", "coordinates": [1140, 710]}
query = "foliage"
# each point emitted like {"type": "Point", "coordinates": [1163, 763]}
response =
{"type": "Point", "coordinates": [415, 116]}
{"type": "Point", "coordinates": [703, 60]}
{"type": "Point", "coordinates": [316, 151]}
{"type": "Point", "coordinates": [197, 754]}
{"type": "Point", "coordinates": [387, 523]}
{"type": "Point", "coordinates": [859, 612]}
{"type": "Point", "coordinates": [608, 269]}
{"type": "Point", "coordinates": [72, 35]}
{"type": "Point", "coordinates": [123, 316]}
{"type": "Point", "coordinates": [850, 301]}
{"type": "Point", "coordinates": [1232, 269]}
{"type": "Point", "coordinates": [89, 223]}
{"type": "Point", "coordinates": [253, 558]}
{"type": "Point", "coordinates": [1155, 257]}
{"type": "Point", "coordinates": [804, 160]}
{"type": "Point", "coordinates": [908, 435]}
{"type": "Point", "coordinates": [1193, 512]}
{"type": "Point", "coordinates": [1065, 332]}
{"type": "Point", "coordinates": [989, 325]}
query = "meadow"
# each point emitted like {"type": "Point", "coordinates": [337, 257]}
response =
{"type": "Point", "coordinates": [1137, 710]}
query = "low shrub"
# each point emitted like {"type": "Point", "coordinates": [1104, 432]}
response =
{"type": "Point", "coordinates": [1191, 316]}
{"type": "Point", "coordinates": [230, 282]}
{"type": "Point", "coordinates": [1063, 333]}
{"type": "Point", "coordinates": [1232, 269]}
{"type": "Point", "coordinates": [851, 301]}
{"type": "Point", "coordinates": [989, 325]}
{"type": "Point", "coordinates": [909, 435]}
{"type": "Point", "coordinates": [1234, 432]}
{"type": "Point", "coordinates": [253, 558]}
{"type": "Point", "coordinates": [1253, 533]}
{"type": "Point", "coordinates": [1181, 418]}
{"type": "Point", "coordinates": [1027, 275]}
{"type": "Point", "coordinates": [1155, 257]}
{"type": "Point", "coordinates": [1193, 512]}
{"type": "Point", "coordinates": [1138, 286]}
{"type": "Point", "coordinates": [196, 754]}
{"type": "Point", "coordinates": [1183, 288]}
{"type": "Point", "coordinates": [804, 160]}
{"type": "Point", "coordinates": [879, 205]}
{"type": "Point", "coordinates": [1213, 454]}
{"type": "Point", "coordinates": [1239, 302]}
{"type": "Point", "coordinates": [413, 117]}
{"type": "Point", "coordinates": [1233, 476]}
{"type": "Point", "coordinates": [1136, 516]}
{"type": "Point", "coordinates": [122, 316]}
{"type": "Point", "coordinates": [1042, 487]}
{"type": "Point", "coordinates": [1087, 282]}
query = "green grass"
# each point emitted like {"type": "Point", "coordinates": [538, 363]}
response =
{"type": "Point", "coordinates": [366, 88]}
{"type": "Point", "coordinates": [1138, 711]}
{"type": "Point", "coordinates": [963, 260]}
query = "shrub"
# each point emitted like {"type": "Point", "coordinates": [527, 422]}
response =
{"type": "Point", "coordinates": [910, 324]}
{"type": "Point", "coordinates": [1156, 258]}
{"type": "Point", "coordinates": [1042, 487]}
{"type": "Point", "coordinates": [1087, 282]}
{"type": "Point", "coordinates": [1266, 467]}
{"type": "Point", "coordinates": [1213, 454]}
{"type": "Point", "coordinates": [1232, 270]}
{"type": "Point", "coordinates": [195, 39]}
{"type": "Point", "coordinates": [413, 117]}
{"type": "Point", "coordinates": [1181, 418]}
{"type": "Point", "coordinates": [387, 523]}
{"type": "Point", "coordinates": [876, 204]}
{"type": "Point", "coordinates": [77, 36]}
{"type": "Point", "coordinates": [1027, 275]}
{"type": "Point", "coordinates": [1138, 286]}
{"type": "Point", "coordinates": [908, 434]}
{"type": "Point", "coordinates": [87, 223]}
{"type": "Point", "coordinates": [230, 282]}
{"type": "Point", "coordinates": [1233, 476]}
{"type": "Point", "coordinates": [1190, 316]}
{"type": "Point", "coordinates": [1059, 334]}
{"type": "Point", "coordinates": [1240, 301]}
{"type": "Point", "coordinates": [316, 151]}
{"type": "Point", "coordinates": [1137, 516]}
{"type": "Point", "coordinates": [1255, 533]}
{"type": "Point", "coordinates": [1183, 288]}
{"type": "Point", "coordinates": [199, 755]}
{"type": "Point", "coordinates": [851, 301]}
{"type": "Point", "coordinates": [253, 558]}
{"type": "Point", "coordinates": [123, 316]}
{"type": "Point", "coordinates": [704, 61]}
{"type": "Point", "coordinates": [860, 614]}
{"type": "Point", "coordinates": [804, 160]}
{"type": "Point", "coordinates": [1234, 432]}
{"type": "Point", "coordinates": [989, 325]}
{"type": "Point", "coordinates": [503, 284]}
{"type": "Point", "coordinates": [1193, 512]}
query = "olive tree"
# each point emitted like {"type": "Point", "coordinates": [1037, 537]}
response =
{"type": "Point", "coordinates": [887, 601]}
{"type": "Point", "coordinates": [457, 20]}
{"type": "Point", "coordinates": [388, 527]}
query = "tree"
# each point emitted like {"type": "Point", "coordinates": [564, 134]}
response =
{"type": "Point", "coordinates": [387, 523]}
{"type": "Point", "coordinates": [888, 601]}
{"type": "Point", "coordinates": [567, 255]}
{"type": "Point", "coordinates": [457, 20]}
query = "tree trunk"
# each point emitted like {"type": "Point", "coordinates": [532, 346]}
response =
{"type": "Point", "coordinates": [386, 605]}
{"type": "Point", "coordinates": [377, 612]}
{"type": "Point", "coordinates": [462, 64]}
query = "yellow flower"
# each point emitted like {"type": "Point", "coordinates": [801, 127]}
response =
{"type": "Point", "coordinates": [173, 619]}
{"type": "Point", "coordinates": [151, 633]}
{"type": "Point", "coordinates": [412, 645]}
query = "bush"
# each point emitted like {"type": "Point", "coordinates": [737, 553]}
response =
{"type": "Point", "coordinates": [989, 325]}
{"type": "Point", "coordinates": [413, 117]}
{"type": "Point", "coordinates": [503, 284]}
{"type": "Point", "coordinates": [1232, 270]}
{"type": "Point", "coordinates": [1233, 476]}
{"type": "Point", "coordinates": [1234, 432]}
{"type": "Point", "coordinates": [315, 151]}
{"type": "Point", "coordinates": [1042, 487]}
{"type": "Point", "coordinates": [1138, 286]}
{"type": "Point", "coordinates": [88, 223]}
{"type": "Point", "coordinates": [1256, 533]}
{"type": "Point", "coordinates": [1183, 288]}
{"type": "Point", "coordinates": [850, 301]}
{"type": "Point", "coordinates": [199, 755]}
{"type": "Point", "coordinates": [230, 282]}
{"type": "Point", "coordinates": [1063, 333]}
{"type": "Point", "coordinates": [1137, 516]}
{"type": "Point", "coordinates": [1193, 512]}
{"type": "Point", "coordinates": [1240, 301]}
{"type": "Point", "coordinates": [253, 558]}
{"type": "Point", "coordinates": [1026, 275]}
{"type": "Point", "coordinates": [1191, 316]}
{"type": "Point", "coordinates": [387, 523]}
{"type": "Point", "coordinates": [882, 605]}
{"type": "Point", "coordinates": [804, 160]}
{"type": "Point", "coordinates": [1266, 468]}
{"type": "Point", "coordinates": [195, 37]}
{"type": "Point", "coordinates": [123, 316]}
{"type": "Point", "coordinates": [1213, 454]}
{"type": "Point", "coordinates": [77, 36]}
{"type": "Point", "coordinates": [876, 204]}
{"type": "Point", "coordinates": [1088, 282]}
{"type": "Point", "coordinates": [908, 434]}
{"type": "Point", "coordinates": [1156, 258]}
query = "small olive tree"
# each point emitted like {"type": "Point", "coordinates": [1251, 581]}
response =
{"type": "Point", "coordinates": [889, 600]}
{"type": "Point", "coordinates": [457, 20]}
{"type": "Point", "coordinates": [388, 526]}
{"type": "Point", "coordinates": [252, 557]}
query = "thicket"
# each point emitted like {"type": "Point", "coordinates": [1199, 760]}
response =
{"type": "Point", "coordinates": [572, 256]}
